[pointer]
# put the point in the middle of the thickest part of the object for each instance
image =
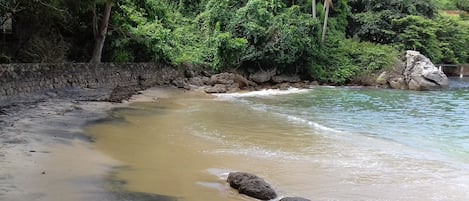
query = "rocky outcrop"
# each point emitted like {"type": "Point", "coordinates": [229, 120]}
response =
{"type": "Point", "coordinates": [263, 76]}
{"type": "Point", "coordinates": [422, 74]}
{"type": "Point", "coordinates": [251, 185]}
{"type": "Point", "coordinates": [416, 73]}
{"type": "Point", "coordinates": [286, 78]}
{"type": "Point", "coordinates": [224, 82]}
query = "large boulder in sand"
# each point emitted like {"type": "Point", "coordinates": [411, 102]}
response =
{"type": "Point", "coordinates": [251, 185]}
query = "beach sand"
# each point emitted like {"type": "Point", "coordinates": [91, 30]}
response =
{"type": "Point", "coordinates": [45, 155]}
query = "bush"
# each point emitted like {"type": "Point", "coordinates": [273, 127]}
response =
{"type": "Point", "coordinates": [444, 40]}
{"type": "Point", "coordinates": [463, 5]}
{"type": "Point", "coordinates": [344, 60]}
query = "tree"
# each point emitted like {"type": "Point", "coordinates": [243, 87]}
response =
{"type": "Point", "coordinates": [327, 6]}
{"type": "Point", "coordinates": [372, 20]}
{"type": "Point", "coordinates": [101, 31]}
{"type": "Point", "coordinates": [313, 8]}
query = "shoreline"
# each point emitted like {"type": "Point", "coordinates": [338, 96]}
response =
{"type": "Point", "coordinates": [46, 155]}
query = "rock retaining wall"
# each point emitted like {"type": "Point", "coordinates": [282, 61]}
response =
{"type": "Point", "coordinates": [25, 79]}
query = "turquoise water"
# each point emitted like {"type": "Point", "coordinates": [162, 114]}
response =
{"type": "Point", "coordinates": [402, 144]}
{"type": "Point", "coordinates": [436, 121]}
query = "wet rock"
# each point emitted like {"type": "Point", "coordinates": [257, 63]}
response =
{"type": "Point", "coordinates": [283, 86]}
{"type": "Point", "coordinates": [294, 199]}
{"type": "Point", "coordinates": [263, 76]}
{"type": "Point", "coordinates": [251, 185]}
{"type": "Point", "coordinates": [382, 78]}
{"type": "Point", "coordinates": [398, 83]}
{"type": "Point", "coordinates": [223, 78]}
{"type": "Point", "coordinates": [286, 78]}
{"type": "Point", "coordinates": [236, 178]}
{"type": "Point", "coordinates": [218, 88]}
{"type": "Point", "coordinates": [179, 82]}
{"type": "Point", "coordinates": [197, 81]}
{"type": "Point", "coordinates": [233, 88]}
{"type": "Point", "coordinates": [243, 82]}
{"type": "Point", "coordinates": [207, 80]}
{"type": "Point", "coordinates": [301, 85]}
{"type": "Point", "coordinates": [189, 73]}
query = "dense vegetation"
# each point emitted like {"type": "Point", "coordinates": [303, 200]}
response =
{"type": "Point", "coordinates": [361, 36]}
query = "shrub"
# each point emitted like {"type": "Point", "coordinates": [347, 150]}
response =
{"type": "Point", "coordinates": [344, 60]}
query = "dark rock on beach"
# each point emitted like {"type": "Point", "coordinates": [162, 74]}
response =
{"type": "Point", "coordinates": [251, 185]}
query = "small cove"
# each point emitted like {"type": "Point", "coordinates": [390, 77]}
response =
{"type": "Point", "coordinates": [324, 144]}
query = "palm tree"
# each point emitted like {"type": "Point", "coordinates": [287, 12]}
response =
{"type": "Point", "coordinates": [327, 6]}
{"type": "Point", "coordinates": [313, 8]}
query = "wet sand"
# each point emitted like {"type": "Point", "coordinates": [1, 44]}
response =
{"type": "Point", "coordinates": [45, 155]}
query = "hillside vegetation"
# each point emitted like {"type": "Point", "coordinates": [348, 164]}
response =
{"type": "Point", "coordinates": [361, 36]}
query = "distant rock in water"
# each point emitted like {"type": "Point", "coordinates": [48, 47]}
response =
{"type": "Point", "coordinates": [251, 185]}
{"type": "Point", "coordinates": [417, 73]}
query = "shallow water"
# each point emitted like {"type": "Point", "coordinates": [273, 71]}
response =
{"type": "Point", "coordinates": [324, 144]}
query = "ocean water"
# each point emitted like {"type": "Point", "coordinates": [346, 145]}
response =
{"type": "Point", "coordinates": [324, 143]}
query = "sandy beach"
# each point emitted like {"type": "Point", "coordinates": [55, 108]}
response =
{"type": "Point", "coordinates": [45, 155]}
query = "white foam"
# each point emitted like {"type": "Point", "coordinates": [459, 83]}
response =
{"type": "Point", "coordinates": [312, 124]}
{"type": "Point", "coordinates": [262, 93]}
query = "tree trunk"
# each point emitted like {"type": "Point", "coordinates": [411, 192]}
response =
{"type": "Point", "coordinates": [313, 8]}
{"type": "Point", "coordinates": [100, 32]}
{"type": "Point", "coordinates": [326, 17]}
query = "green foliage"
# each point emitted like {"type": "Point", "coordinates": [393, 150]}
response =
{"type": "Point", "coordinates": [463, 5]}
{"type": "Point", "coordinates": [444, 40]}
{"type": "Point", "coordinates": [372, 20]}
{"type": "Point", "coordinates": [253, 34]}
{"type": "Point", "coordinates": [418, 33]}
{"type": "Point", "coordinates": [445, 4]}
{"type": "Point", "coordinates": [281, 41]}
{"type": "Point", "coordinates": [341, 61]}
{"type": "Point", "coordinates": [424, 8]}
{"type": "Point", "coordinates": [229, 50]}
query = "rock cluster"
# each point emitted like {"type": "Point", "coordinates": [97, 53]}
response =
{"type": "Point", "coordinates": [232, 82]}
{"type": "Point", "coordinates": [254, 186]}
{"type": "Point", "coordinates": [416, 73]}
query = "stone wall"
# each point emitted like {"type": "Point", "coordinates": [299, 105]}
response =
{"type": "Point", "coordinates": [26, 79]}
